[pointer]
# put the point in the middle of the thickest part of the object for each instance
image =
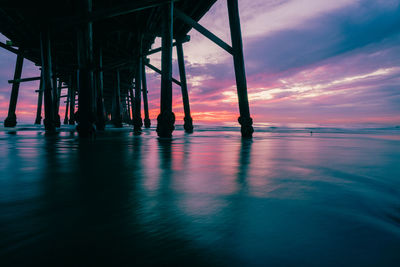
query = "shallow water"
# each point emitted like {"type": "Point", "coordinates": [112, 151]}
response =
{"type": "Point", "coordinates": [210, 198]}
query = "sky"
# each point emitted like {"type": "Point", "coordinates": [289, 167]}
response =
{"type": "Point", "coordinates": [307, 61]}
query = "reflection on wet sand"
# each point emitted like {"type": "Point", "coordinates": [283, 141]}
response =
{"type": "Point", "coordinates": [196, 200]}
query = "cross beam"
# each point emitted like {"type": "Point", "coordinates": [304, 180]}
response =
{"type": "Point", "coordinates": [203, 30]}
{"type": "Point", "coordinates": [159, 72]}
{"type": "Point", "coordinates": [13, 50]}
{"type": "Point", "coordinates": [24, 80]}
{"type": "Point", "coordinates": [156, 50]}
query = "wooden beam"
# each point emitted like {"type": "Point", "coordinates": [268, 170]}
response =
{"type": "Point", "coordinates": [11, 120]}
{"type": "Point", "coordinates": [137, 118]}
{"type": "Point", "coordinates": [160, 72]}
{"type": "Point", "coordinates": [67, 105]}
{"type": "Point", "coordinates": [156, 50]}
{"type": "Point", "coordinates": [101, 119]}
{"type": "Point", "coordinates": [147, 121]}
{"type": "Point", "coordinates": [117, 118]}
{"type": "Point", "coordinates": [118, 65]}
{"type": "Point", "coordinates": [26, 55]}
{"type": "Point", "coordinates": [40, 101]}
{"type": "Point", "coordinates": [45, 47]}
{"type": "Point", "coordinates": [166, 118]}
{"type": "Point", "coordinates": [24, 80]}
{"type": "Point", "coordinates": [86, 103]}
{"type": "Point", "coordinates": [74, 85]}
{"type": "Point", "coordinates": [245, 120]}
{"type": "Point", "coordinates": [12, 50]}
{"type": "Point", "coordinates": [203, 30]}
{"type": "Point", "coordinates": [132, 99]}
{"type": "Point", "coordinates": [188, 125]}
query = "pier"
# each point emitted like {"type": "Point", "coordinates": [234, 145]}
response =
{"type": "Point", "coordinates": [94, 54]}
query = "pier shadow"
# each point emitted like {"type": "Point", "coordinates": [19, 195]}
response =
{"type": "Point", "coordinates": [90, 208]}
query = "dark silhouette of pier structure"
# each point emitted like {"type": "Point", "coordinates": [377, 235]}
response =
{"type": "Point", "coordinates": [97, 50]}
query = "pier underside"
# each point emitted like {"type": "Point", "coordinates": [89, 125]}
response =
{"type": "Point", "coordinates": [97, 51]}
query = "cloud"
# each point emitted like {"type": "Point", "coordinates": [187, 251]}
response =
{"type": "Point", "coordinates": [323, 37]}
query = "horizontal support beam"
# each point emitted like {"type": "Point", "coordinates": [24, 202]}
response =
{"type": "Point", "coordinates": [9, 48]}
{"type": "Point", "coordinates": [156, 50]}
{"type": "Point", "coordinates": [37, 91]}
{"type": "Point", "coordinates": [118, 65]}
{"type": "Point", "coordinates": [179, 14]}
{"type": "Point", "coordinates": [159, 72]}
{"type": "Point", "coordinates": [15, 51]}
{"type": "Point", "coordinates": [24, 80]}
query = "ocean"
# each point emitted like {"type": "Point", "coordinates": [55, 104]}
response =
{"type": "Point", "coordinates": [291, 196]}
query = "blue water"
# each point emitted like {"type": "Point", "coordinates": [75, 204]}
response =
{"type": "Point", "coordinates": [287, 197]}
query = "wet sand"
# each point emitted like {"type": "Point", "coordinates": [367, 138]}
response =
{"type": "Point", "coordinates": [210, 198]}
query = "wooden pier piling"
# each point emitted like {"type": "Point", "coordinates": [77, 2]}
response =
{"type": "Point", "coordinates": [86, 117]}
{"type": "Point", "coordinates": [48, 121]}
{"type": "Point", "coordinates": [67, 104]}
{"type": "Point", "coordinates": [117, 117]}
{"type": "Point", "coordinates": [147, 122]}
{"type": "Point", "coordinates": [132, 99]}
{"type": "Point", "coordinates": [137, 118]}
{"type": "Point", "coordinates": [74, 86]}
{"type": "Point", "coordinates": [11, 120]}
{"type": "Point", "coordinates": [100, 120]}
{"type": "Point", "coordinates": [38, 119]}
{"type": "Point", "coordinates": [166, 119]}
{"type": "Point", "coordinates": [57, 97]}
{"type": "Point", "coordinates": [188, 121]}
{"type": "Point", "coordinates": [245, 120]}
